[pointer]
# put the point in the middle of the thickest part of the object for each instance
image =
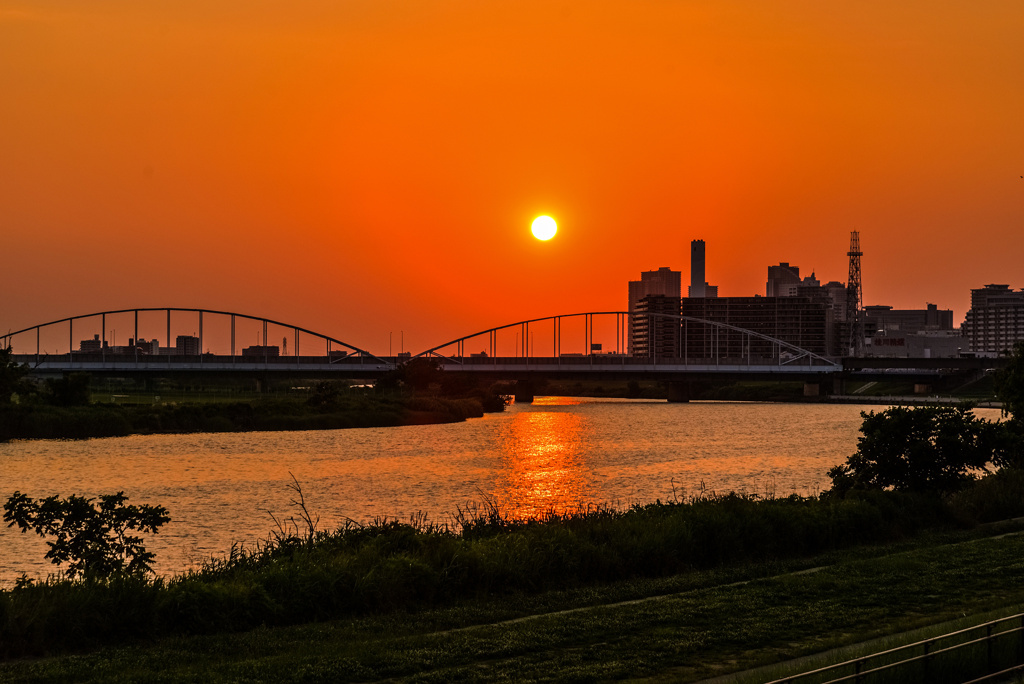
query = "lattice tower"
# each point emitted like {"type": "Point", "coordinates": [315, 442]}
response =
{"type": "Point", "coordinates": [855, 298]}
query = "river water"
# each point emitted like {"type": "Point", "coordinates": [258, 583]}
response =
{"type": "Point", "coordinates": [558, 453]}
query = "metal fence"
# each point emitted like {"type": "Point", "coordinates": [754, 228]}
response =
{"type": "Point", "coordinates": [989, 652]}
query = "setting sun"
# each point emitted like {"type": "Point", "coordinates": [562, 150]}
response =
{"type": "Point", "coordinates": [544, 228]}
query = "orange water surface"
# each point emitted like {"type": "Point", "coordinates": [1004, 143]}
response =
{"type": "Point", "coordinates": [557, 454]}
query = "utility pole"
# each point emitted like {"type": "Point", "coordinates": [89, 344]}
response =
{"type": "Point", "coordinates": [855, 298]}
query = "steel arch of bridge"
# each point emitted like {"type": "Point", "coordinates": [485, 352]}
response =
{"type": "Point", "coordinates": [622, 319]}
{"type": "Point", "coordinates": [5, 339]}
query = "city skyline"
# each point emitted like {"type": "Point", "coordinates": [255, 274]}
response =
{"type": "Point", "coordinates": [361, 171]}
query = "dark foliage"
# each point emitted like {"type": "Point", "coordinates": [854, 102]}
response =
{"type": "Point", "coordinates": [71, 390]}
{"type": "Point", "coordinates": [390, 565]}
{"type": "Point", "coordinates": [94, 540]}
{"type": "Point", "coordinates": [420, 373]}
{"type": "Point", "coordinates": [1009, 385]}
{"type": "Point", "coordinates": [326, 394]}
{"type": "Point", "coordinates": [11, 377]}
{"type": "Point", "coordinates": [925, 449]}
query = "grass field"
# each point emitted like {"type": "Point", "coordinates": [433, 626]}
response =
{"type": "Point", "coordinates": [682, 628]}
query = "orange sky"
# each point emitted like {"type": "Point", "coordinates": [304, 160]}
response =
{"type": "Point", "coordinates": [363, 167]}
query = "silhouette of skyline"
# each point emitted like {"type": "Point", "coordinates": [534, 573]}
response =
{"type": "Point", "coordinates": [367, 169]}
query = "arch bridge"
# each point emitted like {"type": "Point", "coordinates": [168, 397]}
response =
{"type": "Point", "coordinates": [183, 352]}
{"type": "Point", "coordinates": [643, 342]}
{"type": "Point", "coordinates": [668, 347]}
{"type": "Point", "coordinates": [633, 345]}
{"type": "Point", "coordinates": [659, 343]}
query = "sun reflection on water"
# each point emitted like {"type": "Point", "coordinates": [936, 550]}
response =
{"type": "Point", "coordinates": [542, 464]}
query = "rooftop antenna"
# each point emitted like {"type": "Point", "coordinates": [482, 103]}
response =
{"type": "Point", "coordinates": [855, 298]}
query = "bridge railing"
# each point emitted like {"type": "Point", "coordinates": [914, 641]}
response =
{"type": "Point", "coordinates": [620, 360]}
{"type": "Point", "coordinates": [640, 338]}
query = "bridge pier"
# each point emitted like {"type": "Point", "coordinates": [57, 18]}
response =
{"type": "Point", "coordinates": [679, 392]}
{"type": "Point", "coordinates": [524, 391]}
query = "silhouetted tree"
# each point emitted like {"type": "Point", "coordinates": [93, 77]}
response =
{"type": "Point", "coordinates": [1010, 386]}
{"type": "Point", "coordinates": [93, 540]}
{"type": "Point", "coordinates": [922, 449]}
{"type": "Point", "coordinates": [325, 394]}
{"type": "Point", "coordinates": [420, 373]}
{"type": "Point", "coordinates": [71, 390]}
{"type": "Point", "coordinates": [12, 376]}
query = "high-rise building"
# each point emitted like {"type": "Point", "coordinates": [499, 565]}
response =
{"type": "Point", "coordinates": [806, 321]}
{"type": "Point", "coordinates": [886, 319]}
{"type": "Point", "coordinates": [653, 336]}
{"type": "Point", "coordinates": [697, 273]}
{"type": "Point", "coordinates": [93, 345]}
{"type": "Point", "coordinates": [664, 282]}
{"type": "Point", "coordinates": [698, 278]}
{"type": "Point", "coordinates": [782, 280]}
{"type": "Point", "coordinates": [186, 345]}
{"type": "Point", "coordinates": [995, 321]}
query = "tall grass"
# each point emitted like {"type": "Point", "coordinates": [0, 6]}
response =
{"type": "Point", "coordinates": [301, 576]}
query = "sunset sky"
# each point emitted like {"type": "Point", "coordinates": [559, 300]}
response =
{"type": "Point", "coordinates": [367, 167]}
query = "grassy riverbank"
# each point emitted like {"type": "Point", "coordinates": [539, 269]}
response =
{"type": "Point", "coordinates": [391, 568]}
{"type": "Point", "coordinates": [683, 627]}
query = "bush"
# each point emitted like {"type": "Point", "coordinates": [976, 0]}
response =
{"type": "Point", "coordinates": [926, 449]}
{"type": "Point", "coordinates": [93, 540]}
{"type": "Point", "coordinates": [70, 390]}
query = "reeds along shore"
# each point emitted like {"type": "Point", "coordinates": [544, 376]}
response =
{"type": "Point", "coordinates": [389, 565]}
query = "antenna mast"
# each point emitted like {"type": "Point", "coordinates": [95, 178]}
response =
{"type": "Point", "coordinates": [855, 298]}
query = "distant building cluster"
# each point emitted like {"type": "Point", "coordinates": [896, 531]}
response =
{"type": "Point", "coordinates": [184, 345]}
{"type": "Point", "coordinates": [815, 316]}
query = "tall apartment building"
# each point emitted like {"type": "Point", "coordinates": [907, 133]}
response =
{"type": "Point", "coordinates": [807, 322]}
{"type": "Point", "coordinates": [664, 282]}
{"type": "Point", "coordinates": [782, 280]}
{"type": "Point", "coordinates": [186, 345]}
{"type": "Point", "coordinates": [698, 278]}
{"type": "Point", "coordinates": [656, 336]}
{"type": "Point", "coordinates": [93, 345]}
{"type": "Point", "coordinates": [995, 321]}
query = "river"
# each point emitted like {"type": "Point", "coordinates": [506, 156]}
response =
{"type": "Point", "coordinates": [556, 454]}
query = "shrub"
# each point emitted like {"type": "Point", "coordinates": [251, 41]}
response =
{"type": "Point", "coordinates": [926, 449]}
{"type": "Point", "coordinates": [93, 540]}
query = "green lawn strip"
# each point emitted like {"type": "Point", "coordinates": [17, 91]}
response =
{"type": "Point", "coordinates": [687, 636]}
